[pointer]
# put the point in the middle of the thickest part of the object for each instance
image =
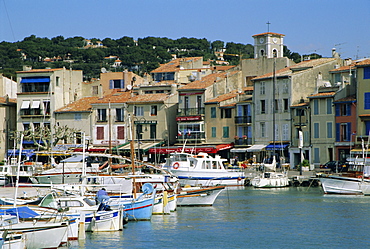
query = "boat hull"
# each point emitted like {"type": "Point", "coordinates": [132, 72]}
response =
{"type": "Point", "coordinates": [135, 209]}
{"type": "Point", "coordinates": [198, 196]}
{"type": "Point", "coordinates": [341, 185]}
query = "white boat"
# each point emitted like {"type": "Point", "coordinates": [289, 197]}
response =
{"type": "Point", "coordinates": [198, 196]}
{"type": "Point", "coordinates": [335, 184]}
{"type": "Point", "coordinates": [71, 169]}
{"type": "Point", "coordinates": [37, 233]}
{"type": "Point", "coordinates": [270, 179]}
{"type": "Point", "coordinates": [202, 169]}
{"type": "Point", "coordinates": [81, 207]}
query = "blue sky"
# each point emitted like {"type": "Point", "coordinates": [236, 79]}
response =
{"type": "Point", "coordinates": [309, 26]}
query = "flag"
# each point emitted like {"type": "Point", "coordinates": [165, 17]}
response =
{"type": "Point", "coordinates": [179, 133]}
{"type": "Point", "coordinates": [189, 132]}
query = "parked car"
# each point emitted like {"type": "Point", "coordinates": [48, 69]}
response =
{"type": "Point", "coordinates": [334, 165]}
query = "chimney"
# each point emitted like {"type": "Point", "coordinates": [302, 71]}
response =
{"type": "Point", "coordinates": [173, 88]}
{"type": "Point", "coordinates": [27, 68]}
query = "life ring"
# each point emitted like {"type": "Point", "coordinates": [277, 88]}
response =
{"type": "Point", "coordinates": [176, 165]}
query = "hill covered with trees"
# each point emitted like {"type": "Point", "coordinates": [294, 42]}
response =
{"type": "Point", "coordinates": [141, 56]}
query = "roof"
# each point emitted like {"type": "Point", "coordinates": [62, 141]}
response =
{"type": "Point", "coordinates": [295, 68]}
{"type": "Point", "coordinates": [303, 104]}
{"type": "Point", "coordinates": [268, 33]}
{"type": "Point", "coordinates": [81, 105]}
{"type": "Point", "coordinates": [174, 65]}
{"type": "Point", "coordinates": [346, 99]}
{"type": "Point", "coordinates": [207, 81]}
{"type": "Point", "coordinates": [116, 96]}
{"type": "Point", "coordinates": [148, 98]}
{"type": "Point", "coordinates": [322, 95]}
{"type": "Point", "coordinates": [44, 70]}
{"type": "Point", "coordinates": [223, 97]}
{"type": "Point", "coordinates": [365, 62]}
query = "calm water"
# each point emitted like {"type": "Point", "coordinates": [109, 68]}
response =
{"type": "Point", "coordinates": [252, 218]}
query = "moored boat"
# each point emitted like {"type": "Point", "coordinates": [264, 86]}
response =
{"type": "Point", "coordinates": [198, 196]}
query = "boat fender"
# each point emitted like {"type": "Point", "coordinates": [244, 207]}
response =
{"type": "Point", "coordinates": [176, 165]}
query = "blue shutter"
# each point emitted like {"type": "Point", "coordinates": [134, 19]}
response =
{"type": "Point", "coordinates": [366, 72]}
{"type": "Point", "coordinates": [329, 127]}
{"type": "Point", "coordinates": [367, 125]}
{"type": "Point", "coordinates": [348, 109]}
{"type": "Point", "coordinates": [367, 100]}
{"type": "Point", "coordinates": [337, 132]}
{"type": "Point", "coordinates": [349, 131]}
{"type": "Point", "coordinates": [122, 84]}
{"type": "Point", "coordinates": [337, 110]}
{"type": "Point", "coordinates": [111, 86]}
{"type": "Point", "coordinates": [240, 110]}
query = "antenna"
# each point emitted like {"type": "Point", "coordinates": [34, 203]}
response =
{"type": "Point", "coordinates": [103, 70]}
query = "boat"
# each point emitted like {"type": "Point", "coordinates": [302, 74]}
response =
{"type": "Point", "coordinates": [71, 169]}
{"type": "Point", "coordinates": [202, 169]}
{"type": "Point", "coordinates": [198, 196]}
{"type": "Point", "coordinates": [96, 218]}
{"type": "Point", "coordinates": [270, 178]}
{"type": "Point", "coordinates": [37, 233]}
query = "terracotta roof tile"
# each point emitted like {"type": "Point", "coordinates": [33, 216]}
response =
{"type": "Point", "coordinates": [223, 97]}
{"type": "Point", "coordinates": [81, 105]}
{"type": "Point", "coordinates": [207, 81]}
{"type": "Point", "coordinates": [365, 62]}
{"type": "Point", "coordinates": [116, 96]}
{"type": "Point", "coordinates": [174, 65]}
{"type": "Point", "coordinates": [322, 95]}
{"type": "Point", "coordinates": [346, 99]}
{"type": "Point", "coordinates": [149, 98]}
{"type": "Point", "coordinates": [268, 33]}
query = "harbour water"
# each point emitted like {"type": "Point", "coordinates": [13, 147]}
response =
{"type": "Point", "coordinates": [251, 218]}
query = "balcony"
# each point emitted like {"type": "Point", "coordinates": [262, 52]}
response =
{"type": "Point", "coordinates": [243, 141]}
{"type": "Point", "coordinates": [191, 111]}
{"type": "Point", "coordinates": [243, 119]}
{"type": "Point", "coordinates": [192, 136]}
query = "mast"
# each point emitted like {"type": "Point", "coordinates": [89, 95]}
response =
{"type": "Point", "coordinates": [273, 106]}
{"type": "Point", "coordinates": [132, 155]}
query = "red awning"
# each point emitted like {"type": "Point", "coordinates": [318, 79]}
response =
{"type": "Point", "coordinates": [192, 150]}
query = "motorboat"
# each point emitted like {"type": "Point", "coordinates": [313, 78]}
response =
{"type": "Point", "coordinates": [198, 196]}
{"type": "Point", "coordinates": [202, 169]}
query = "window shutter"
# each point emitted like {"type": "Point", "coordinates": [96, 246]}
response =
{"type": "Point", "coordinates": [348, 109]}
{"type": "Point", "coordinates": [122, 84]}
{"type": "Point", "coordinates": [349, 131]}
{"type": "Point", "coordinates": [337, 110]}
{"type": "Point", "coordinates": [337, 132]}
{"type": "Point", "coordinates": [111, 85]}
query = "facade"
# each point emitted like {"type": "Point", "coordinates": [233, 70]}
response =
{"type": "Point", "coordinates": [41, 92]}
{"type": "Point", "coordinates": [273, 95]}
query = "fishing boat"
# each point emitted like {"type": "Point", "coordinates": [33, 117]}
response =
{"type": "Point", "coordinates": [202, 169]}
{"type": "Point", "coordinates": [198, 196]}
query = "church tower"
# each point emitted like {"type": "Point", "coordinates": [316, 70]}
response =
{"type": "Point", "coordinates": [268, 45]}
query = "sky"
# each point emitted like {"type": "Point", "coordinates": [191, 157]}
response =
{"type": "Point", "coordinates": [311, 26]}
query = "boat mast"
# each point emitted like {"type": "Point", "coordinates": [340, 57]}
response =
{"type": "Point", "coordinates": [132, 155]}
{"type": "Point", "coordinates": [273, 106]}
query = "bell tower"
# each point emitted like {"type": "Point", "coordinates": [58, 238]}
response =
{"type": "Point", "coordinates": [268, 45]}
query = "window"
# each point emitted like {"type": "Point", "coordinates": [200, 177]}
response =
{"type": "Point", "coordinates": [199, 102]}
{"type": "Point", "coordinates": [139, 111]}
{"type": "Point", "coordinates": [116, 84]}
{"type": "Point", "coordinates": [120, 132]}
{"type": "Point", "coordinates": [316, 130]}
{"type": "Point", "coordinates": [78, 116]}
{"type": "Point", "coordinates": [329, 106]}
{"type": "Point", "coordinates": [285, 88]}
{"type": "Point", "coordinates": [225, 133]}
{"type": "Point", "coordinates": [286, 105]}
{"type": "Point", "coordinates": [95, 90]}
{"type": "Point", "coordinates": [119, 114]}
{"type": "Point", "coordinates": [36, 126]}
{"type": "Point", "coordinates": [57, 81]}
{"type": "Point", "coordinates": [367, 100]}
{"type": "Point", "coordinates": [366, 73]}
{"type": "Point", "coordinates": [262, 89]}
{"type": "Point", "coordinates": [186, 102]}
{"type": "Point", "coordinates": [153, 110]}
{"type": "Point", "coordinates": [226, 113]}
{"type": "Point", "coordinates": [213, 112]}
{"type": "Point", "coordinates": [329, 130]}
{"type": "Point", "coordinates": [263, 129]}
{"type": "Point", "coordinates": [276, 105]}
{"type": "Point", "coordinates": [345, 131]}
{"type": "Point", "coordinates": [102, 115]}
{"type": "Point", "coordinates": [213, 130]}
{"type": "Point", "coordinates": [153, 131]}
{"type": "Point", "coordinates": [263, 106]}
{"type": "Point", "coordinates": [316, 107]}
{"type": "Point", "coordinates": [26, 126]}
{"type": "Point", "coordinates": [46, 107]}
{"type": "Point", "coordinates": [100, 133]}
{"type": "Point", "coordinates": [285, 132]}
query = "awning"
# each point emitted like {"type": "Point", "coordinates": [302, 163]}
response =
{"type": "Point", "coordinates": [276, 146]}
{"type": "Point", "coordinates": [25, 152]}
{"type": "Point", "coordinates": [143, 146]}
{"type": "Point", "coordinates": [35, 104]}
{"type": "Point", "coordinates": [25, 104]}
{"type": "Point", "coordinates": [223, 147]}
{"type": "Point", "coordinates": [35, 80]}
{"type": "Point", "coordinates": [359, 151]}
{"type": "Point", "coordinates": [238, 150]}
{"type": "Point", "coordinates": [256, 148]}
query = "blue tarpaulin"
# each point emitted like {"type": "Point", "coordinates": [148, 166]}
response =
{"type": "Point", "coordinates": [21, 212]}
{"type": "Point", "coordinates": [276, 146]}
{"type": "Point", "coordinates": [35, 80]}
